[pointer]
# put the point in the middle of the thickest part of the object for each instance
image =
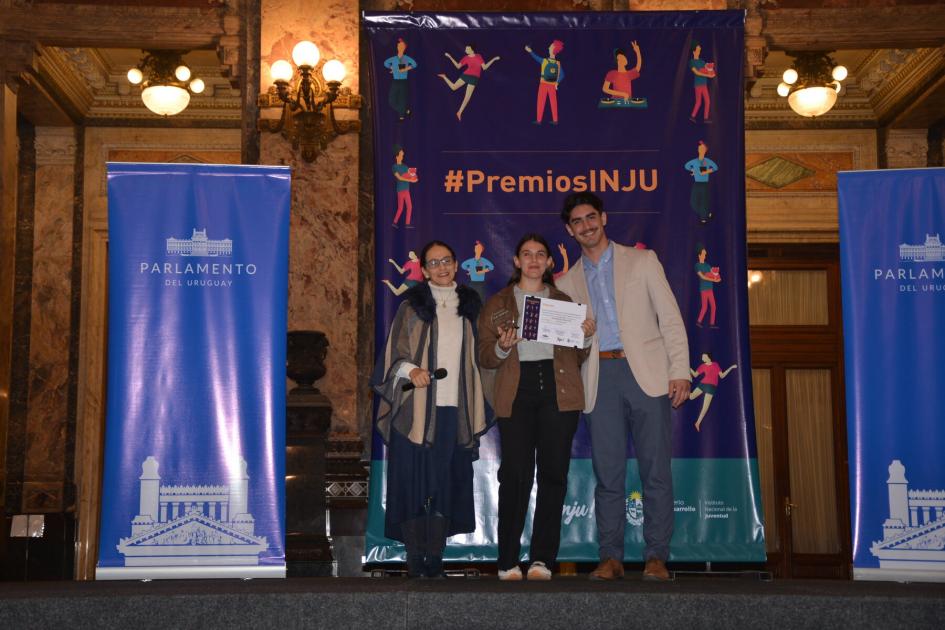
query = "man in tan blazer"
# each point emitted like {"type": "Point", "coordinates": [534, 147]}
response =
{"type": "Point", "coordinates": [637, 368]}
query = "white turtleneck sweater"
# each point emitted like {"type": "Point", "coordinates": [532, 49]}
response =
{"type": "Point", "coordinates": [449, 344]}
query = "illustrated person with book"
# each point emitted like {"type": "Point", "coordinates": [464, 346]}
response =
{"type": "Point", "coordinates": [431, 426]}
{"type": "Point", "coordinates": [538, 399]}
{"type": "Point", "coordinates": [708, 277]}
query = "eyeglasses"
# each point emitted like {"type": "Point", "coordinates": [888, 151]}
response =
{"type": "Point", "coordinates": [434, 263]}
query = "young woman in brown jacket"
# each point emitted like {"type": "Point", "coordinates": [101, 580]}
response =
{"type": "Point", "coordinates": [538, 399]}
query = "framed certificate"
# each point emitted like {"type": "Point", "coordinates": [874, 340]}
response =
{"type": "Point", "coordinates": [551, 321]}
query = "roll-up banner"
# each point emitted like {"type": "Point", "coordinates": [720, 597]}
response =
{"type": "Point", "coordinates": [490, 120]}
{"type": "Point", "coordinates": [893, 271]}
{"type": "Point", "coordinates": [194, 472]}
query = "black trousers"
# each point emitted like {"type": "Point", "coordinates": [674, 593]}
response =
{"type": "Point", "coordinates": [535, 428]}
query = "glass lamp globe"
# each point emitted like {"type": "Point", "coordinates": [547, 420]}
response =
{"type": "Point", "coordinates": [334, 70]}
{"type": "Point", "coordinates": [281, 71]}
{"type": "Point", "coordinates": [197, 86]}
{"type": "Point", "coordinates": [812, 101]}
{"type": "Point", "coordinates": [783, 89]}
{"type": "Point", "coordinates": [135, 77]}
{"type": "Point", "coordinates": [182, 73]}
{"type": "Point", "coordinates": [165, 100]}
{"type": "Point", "coordinates": [305, 53]}
{"type": "Point", "coordinates": [790, 76]}
{"type": "Point", "coordinates": [839, 73]}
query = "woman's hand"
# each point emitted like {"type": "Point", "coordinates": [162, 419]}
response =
{"type": "Point", "coordinates": [589, 326]}
{"type": "Point", "coordinates": [508, 337]}
{"type": "Point", "coordinates": [419, 377]}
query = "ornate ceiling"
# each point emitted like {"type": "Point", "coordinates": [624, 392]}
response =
{"type": "Point", "coordinates": [74, 69]}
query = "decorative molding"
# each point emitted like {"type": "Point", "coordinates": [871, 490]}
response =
{"type": "Point", "coordinates": [907, 148]}
{"type": "Point", "coordinates": [55, 145]}
{"type": "Point", "coordinates": [194, 146]}
{"type": "Point", "coordinates": [111, 25]}
{"type": "Point", "coordinates": [16, 58]}
{"type": "Point", "coordinates": [89, 64]}
{"type": "Point", "coordinates": [911, 75]}
{"type": "Point", "coordinates": [854, 26]}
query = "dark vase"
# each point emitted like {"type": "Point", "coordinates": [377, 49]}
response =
{"type": "Point", "coordinates": [305, 358]}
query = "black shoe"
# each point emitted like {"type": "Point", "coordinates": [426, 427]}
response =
{"type": "Point", "coordinates": [416, 564]}
{"type": "Point", "coordinates": [437, 526]}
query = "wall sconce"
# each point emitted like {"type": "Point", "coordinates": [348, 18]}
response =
{"type": "Point", "coordinates": [165, 81]}
{"type": "Point", "coordinates": [308, 116]}
{"type": "Point", "coordinates": [811, 87]}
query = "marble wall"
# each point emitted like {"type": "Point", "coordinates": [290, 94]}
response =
{"type": "Point", "coordinates": [907, 148]}
{"type": "Point", "coordinates": [323, 249]}
{"type": "Point", "coordinates": [50, 321]}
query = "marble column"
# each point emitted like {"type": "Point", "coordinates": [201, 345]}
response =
{"type": "Point", "coordinates": [323, 248]}
{"type": "Point", "coordinates": [50, 322]}
{"type": "Point", "coordinates": [8, 160]}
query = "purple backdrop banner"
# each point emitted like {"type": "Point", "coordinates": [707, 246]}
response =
{"type": "Point", "coordinates": [484, 122]}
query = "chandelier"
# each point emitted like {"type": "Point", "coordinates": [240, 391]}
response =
{"type": "Point", "coordinates": [166, 82]}
{"type": "Point", "coordinates": [812, 85]}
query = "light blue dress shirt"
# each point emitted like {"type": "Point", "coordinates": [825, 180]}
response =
{"type": "Point", "coordinates": [600, 285]}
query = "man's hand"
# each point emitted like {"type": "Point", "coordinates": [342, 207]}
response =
{"type": "Point", "coordinates": [678, 391]}
{"type": "Point", "coordinates": [419, 377]}
{"type": "Point", "coordinates": [589, 326]}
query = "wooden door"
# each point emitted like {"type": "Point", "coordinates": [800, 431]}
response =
{"type": "Point", "coordinates": [797, 377]}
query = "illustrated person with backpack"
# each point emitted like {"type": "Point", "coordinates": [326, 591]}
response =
{"type": "Point", "coordinates": [552, 73]}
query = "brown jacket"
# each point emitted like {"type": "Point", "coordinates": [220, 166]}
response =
{"type": "Point", "coordinates": [567, 361]}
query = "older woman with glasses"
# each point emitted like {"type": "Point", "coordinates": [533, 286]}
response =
{"type": "Point", "coordinates": [538, 398]}
{"type": "Point", "coordinates": [431, 413]}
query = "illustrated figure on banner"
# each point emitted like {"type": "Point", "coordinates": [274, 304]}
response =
{"type": "Point", "coordinates": [405, 176]}
{"type": "Point", "coordinates": [703, 71]}
{"type": "Point", "coordinates": [475, 65]}
{"type": "Point", "coordinates": [476, 268]}
{"type": "Point", "coordinates": [538, 401]}
{"type": "Point", "coordinates": [400, 65]}
{"type": "Point", "coordinates": [709, 276]}
{"type": "Point", "coordinates": [549, 78]}
{"type": "Point", "coordinates": [618, 83]}
{"type": "Point", "coordinates": [701, 168]}
{"type": "Point", "coordinates": [637, 370]}
{"type": "Point", "coordinates": [565, 264]}
{"type": "Point", "coordinates": [711, 373]}
{"type": "Point", "coordinates": [431, 412]}
{"type": "Point", "coordinates": [411, 267]}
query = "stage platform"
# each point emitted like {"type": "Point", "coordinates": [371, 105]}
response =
{"type": "Point", "coordinates": [373, 603]}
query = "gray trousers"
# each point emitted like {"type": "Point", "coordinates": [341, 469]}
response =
{"type": "Point", "coordinates": [622, 406]}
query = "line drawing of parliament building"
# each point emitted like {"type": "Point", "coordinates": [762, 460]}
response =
{"type": "Point", "coordinates": [199, 245]}
{"type": "Point", "coordinates": [914, 533]}
{"type": "Point", "coordinates": [931, 250]}
{"type": "Point", "coordinates": [192, 525]}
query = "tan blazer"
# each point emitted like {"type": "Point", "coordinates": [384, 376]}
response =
{"type": "Point", "coordinates": [651, 327]}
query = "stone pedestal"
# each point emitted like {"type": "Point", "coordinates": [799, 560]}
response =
{"type": "Point", "coordinates": [308, 418]}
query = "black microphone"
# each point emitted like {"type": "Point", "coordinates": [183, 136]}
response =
{"type": "Point", "coordinates": [437, 374]}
